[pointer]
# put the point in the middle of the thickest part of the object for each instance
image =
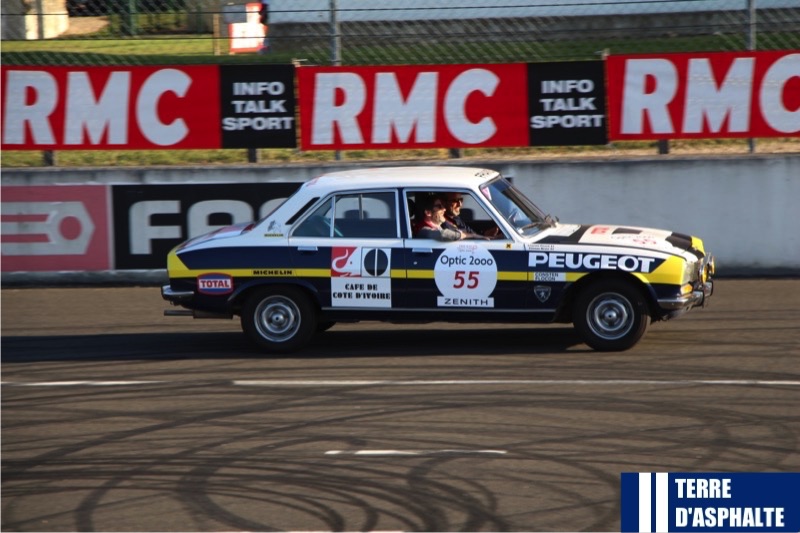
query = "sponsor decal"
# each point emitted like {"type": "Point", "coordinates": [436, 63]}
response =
{"type": "Point", "coordinates": [54, 228]}
{"type": "Point", "coordinates": [579, 261]}
{"type": "Point", "coordinates": [274, 272]}
{"type": "Point", "coordinates": [215, 284]}
{"type": "Point", "coordinates": [541, 247]}
{"type": "Point", "coordinates": [696, 502]}
{"type": "Point", "coordinates": [550, 276]}
{"type": "Point", "coordinates": [361, 277]}
{"type": "Point", "coordinates": [542, 292]}
{"type": "Point", "coordinates": [466, 276]}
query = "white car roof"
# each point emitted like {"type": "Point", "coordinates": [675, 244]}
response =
{"type": "Point", "coordinates": [430, 176]}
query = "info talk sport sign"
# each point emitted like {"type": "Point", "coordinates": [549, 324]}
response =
{"type": "Point", "coordinates": [710, 502]}
{"type": "Point", "coordinates": [668, 96]}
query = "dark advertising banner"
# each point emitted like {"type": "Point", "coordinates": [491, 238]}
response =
{"type": "Point", "coordinates": [257, 106]}
{"type": "Point", "coordinates": [149, 220]}
{"type": "Point", "coordinates": [567, 103]}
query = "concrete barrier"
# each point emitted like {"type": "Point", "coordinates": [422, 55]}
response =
{"type": "Point", "coordinates": [745, 208]}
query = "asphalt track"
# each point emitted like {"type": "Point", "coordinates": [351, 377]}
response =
{"type": "Point", "coordinates": [116, 418]}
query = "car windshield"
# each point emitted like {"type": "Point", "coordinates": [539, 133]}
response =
{"type": "Point", "coordinates": [515, 207]}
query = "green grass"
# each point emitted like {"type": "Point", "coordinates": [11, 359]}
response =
{"type": "Point", "coordinates": [129, 158]}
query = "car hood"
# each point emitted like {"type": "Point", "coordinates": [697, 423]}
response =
{"type": "Point", "coordinates": [625, 236]}
{"type": "Point", "coordinates": [222, 233]}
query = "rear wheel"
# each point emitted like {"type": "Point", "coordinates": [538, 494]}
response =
{"type": "Point", "coordinates": [611, 315]}
{"type": "Point", "coordinates": [279, 319]}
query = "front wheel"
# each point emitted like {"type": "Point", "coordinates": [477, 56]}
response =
{"type": "Point", "coordinates": [611, 316]}
{"type": "Point", "coordinates": [279, 319]}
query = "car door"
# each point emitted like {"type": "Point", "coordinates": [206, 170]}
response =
{"type": "Point", "coordinates": [470, 275]}
{"type": "Point", "coordinates": [349, 248]}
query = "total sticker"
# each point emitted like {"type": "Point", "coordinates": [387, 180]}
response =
{"type": "Point", "coordinates": [466, 277]}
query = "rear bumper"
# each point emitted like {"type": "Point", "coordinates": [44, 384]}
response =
{"type": "Point", "coordinates": [176, 297]}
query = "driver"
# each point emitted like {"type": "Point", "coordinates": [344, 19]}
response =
{"type": "Point", "coordinates": [452, 203]}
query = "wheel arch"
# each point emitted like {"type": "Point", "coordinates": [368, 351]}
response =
{"type": "Point", "coordinates": [241, 295]}
{"type": "Point", "coordinates": [564, 313]}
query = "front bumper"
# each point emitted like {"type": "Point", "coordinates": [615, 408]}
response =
{"type": "Point", "coordinates": [697, 298]}
{"type": "Point", "coordinates": [702, 291]}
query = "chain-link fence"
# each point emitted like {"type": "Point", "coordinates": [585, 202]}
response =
{"type": "Point", "coordinates": [364, 32]}
{"type": "Point", "coordinates": [135, 32]}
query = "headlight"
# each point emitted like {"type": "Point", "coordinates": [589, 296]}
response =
{"type": "Point", "coordinates": [690, 271]}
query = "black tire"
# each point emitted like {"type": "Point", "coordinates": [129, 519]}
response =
{"type": "Point", "coordinates": [279, 319]}
{"type": "Point", "coordinates": [611, 316]}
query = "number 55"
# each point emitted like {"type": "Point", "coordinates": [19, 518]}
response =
{"type": "Point", "coordinates": [471, 280]}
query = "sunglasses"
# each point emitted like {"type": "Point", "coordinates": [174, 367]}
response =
{"type": "Point", "coordinates": [438, 206]}
{"type": "Point", "coordinates": [456, 200]}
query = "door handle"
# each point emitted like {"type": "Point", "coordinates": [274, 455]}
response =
{"type": "Point", "coordinates": [307, 249]}
{"type": "Point", "coordinates": [422, 250]}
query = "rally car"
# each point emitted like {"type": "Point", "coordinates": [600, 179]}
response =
{"type": "Point", "coordinates": [343, 248]}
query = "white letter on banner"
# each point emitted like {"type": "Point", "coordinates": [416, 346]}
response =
{"type": "Point", "coordinates": [142, 232]}
{"type": "Point", "coordinates": [402, 116]}
{"type": "Point", "coordinates": [152, 128]}
{"type": "Point", "coordinates": [327, 115]}
{"type": "Point", "coordinates": [18, 113]}
{"type": "Point", "coordinates": [731, 99]}
{"type": "Point", "coordinates": [636, 102]}
{"type": "Point", "coordinates": [455, 103]}
{"type": "Point", "coordinates": [771, 98]}
{"type": "Point", "coordinates": [110, 111]}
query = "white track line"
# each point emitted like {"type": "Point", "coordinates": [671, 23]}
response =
{"type": "Point", "coordinates": [382, 453]}
{"type": "Point", "coordinates": [414, 382]}
{"type": "Point", "coordinates": [81, 383]}
{"type": "Point", "coordinates": [421, 383]}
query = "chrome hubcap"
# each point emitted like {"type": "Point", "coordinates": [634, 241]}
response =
{"type": "Point", "coordinates": [610, 316]}
{"type": "Point", "coordinates": [277, 318]}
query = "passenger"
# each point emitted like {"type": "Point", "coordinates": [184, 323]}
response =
{"type": "Point", "coordinates": [452, 203]}
{"type": "Point", "coordinates": [431, 220]}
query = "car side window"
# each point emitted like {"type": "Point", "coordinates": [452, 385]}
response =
{"type": "Point", "coordinates": [318, 224]}
{"type": "Point", "coordinates": [366, 215]}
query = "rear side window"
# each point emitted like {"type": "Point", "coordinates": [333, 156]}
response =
{"type": "Point", "coordinates": [366, 215]}
{"type": "Point", "coordinates": [361, 215]}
